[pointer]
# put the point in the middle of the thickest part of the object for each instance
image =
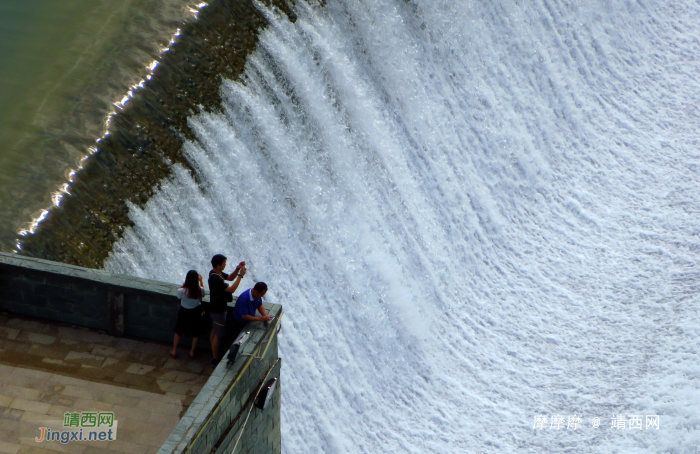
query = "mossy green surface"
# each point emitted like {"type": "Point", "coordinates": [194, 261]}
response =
{"type": "Point", "coordinates": [147, 136]}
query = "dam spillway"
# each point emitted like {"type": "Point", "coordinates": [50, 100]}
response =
{"type": "Point", "coordinates": [475, 214]}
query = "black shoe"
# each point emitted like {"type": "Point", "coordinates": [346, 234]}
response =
{"type": "Point", "coordinates": [215, 362]}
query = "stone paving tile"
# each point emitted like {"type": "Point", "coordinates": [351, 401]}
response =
{"type": "Point", "coordinates": [98, 374]}
{"type": "Point", "coordinates": [137, 380]}
{"type": "Point", "coordinates": [93, 405]}
{"type": "Point", "coordinates": [77, 391]}
{"type": "Point", "coordinates": [131, 345]}
{"type": "Point", "coordinates": [13, 345]}
{"type": "Point", "coordinates": [43, 371]}
{"type": "Point", "coordinates": [24, 382]}
{"type": "Point", "coordinates": [54, 362]}
{"type": "Point", "coordinates": [70, 448]}
{"type": "Point", "coordinates": [28, 373]}
{"type": "Point", "coordinates": [27, 405]}
{"type": "Point", "coordinates": [55, 352]}
{"type": "Point", "coordinates": [85, 335]}
{"type": "Point", "coordinates": [148, 358]}
{"type": "Point", "coordinates": [10, 414]}
{"type": "Point", "coordinates": [194, 367]}
{"type": "Point", "coordinates": [57, 411]}
{"type": "Point", "coordinates": [152, 440]}
{"type": "Point", "coordinates": [32, 416]}
{"type": "Point", "coordinates": [141, 426]}
{"type": "Point", "coordinates": [195, 389]}
{"type": "Point", "coordinates": [177, 397]}
{"type": "Point", "coordinates": [8, 435]}
{"type": "Point", "coordinates": [34, 450]}
{"type": "Point", "coordinates": [7, 378]}
{"type": "Point", "coordinates": [94, 450]}
{"type": "Point", "coordinates": [170, 387]}
{"type": "Point", "coordinates": [25, 324]}
{"type": "Point", "coordinates": [109, 362]}
{"type": "Point", "coordinates": [84, 358]}
{"type": "Point", "coordinates": [59, 399]}
{"type": "Point", "coordinates": [159, 407]}
{"type": "Point", "coordinates": [114, 398]}
{"type": "Point", "coordinates": [10, 430]}
{"type": "Point", "coordinates": [139, 369]}
{"type": "Point", "coordinates": [179, 376]}
{"type": "Point", "coordinates": [35, 338]}
{"type": "Point", "coordinates": [75, 345]}
{"type": "Point", "coordinates": [9, 448]}
{"type": "Point", "coordinates": [95, 444]}
{"type": "Point", "coordinates": [127, 447]}
{"type": "Point", "coordinates": [8, 333]}
{"type": "Point", "coordinates": [139, 429]}
{"type": "Point", "coordinates": [187, 401]}
{"type": "Point", "coordinates": [134, 413]}
{"type": "Point", "coordinates": [19, 392]}
{"type": "Point", "coordinates": [49, 329]}
{"type": "Point", "coordinates": [112, 352]}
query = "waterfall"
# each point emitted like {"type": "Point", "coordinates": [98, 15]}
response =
{"type": "Point", "coordinates": [473, 213]}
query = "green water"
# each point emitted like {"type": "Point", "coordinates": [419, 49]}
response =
{"type": "Point", "coordinates": [62, 66]}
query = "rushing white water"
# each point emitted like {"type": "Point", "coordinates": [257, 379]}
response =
{"type": "Point", "coordinates": [473, 212]}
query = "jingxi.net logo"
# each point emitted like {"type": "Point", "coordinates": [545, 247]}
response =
{"type": "Point", "coordinates": [85, 426]}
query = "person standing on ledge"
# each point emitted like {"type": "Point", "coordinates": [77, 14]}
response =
{"type": "Point", "coordinates": [221, 295]}
{"type": "Point", "coordinates": [189, 319]}
{"type": "Point", "coordinates": [246, 305]}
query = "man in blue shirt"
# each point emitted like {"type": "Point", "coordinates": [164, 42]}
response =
{"type": "Point", "coordinates": [247, 304]}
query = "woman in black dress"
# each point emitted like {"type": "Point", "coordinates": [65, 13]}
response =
{"type": "Point", "coordinates": [189, 319]}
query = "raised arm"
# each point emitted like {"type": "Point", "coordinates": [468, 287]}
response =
{"type": "Point", "coordinates": [236, 272]}
{"type": "Point", "coordinates": [241, 272]}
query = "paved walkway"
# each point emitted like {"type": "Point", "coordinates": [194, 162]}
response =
{"type": "Point", "coordinates": [48, 369]}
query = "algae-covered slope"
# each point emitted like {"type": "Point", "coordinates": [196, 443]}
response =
{"type": "Point", "coordinates": [146, 137]}
{"type": "Point", "coordinates": [63, 66]}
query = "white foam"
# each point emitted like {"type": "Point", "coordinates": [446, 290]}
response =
{"type": "Point", "coordinates": [473, 213]}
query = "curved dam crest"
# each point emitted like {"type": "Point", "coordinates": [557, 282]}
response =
{"type": "Point", "coordinates": [145, 138]}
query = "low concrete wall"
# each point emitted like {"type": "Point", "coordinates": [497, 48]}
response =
{"type": "Point", "coordinates": [81, 296]}
{"type": "Point", "coordinates": [223, 415]}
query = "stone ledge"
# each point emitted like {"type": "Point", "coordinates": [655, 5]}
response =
{"type": "Point", "coordinates": [215, 413]}
{"type": "Point", "coordinates": [119, 280]}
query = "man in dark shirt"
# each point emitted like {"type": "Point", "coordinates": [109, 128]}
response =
{"type": "Point", "coordinates": [220, 296]}
{"type": "Point", "coordinates": [246, 305]}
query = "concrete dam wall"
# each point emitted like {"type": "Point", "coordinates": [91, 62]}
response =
{"type": "Point", "coordinates": [224, 416]}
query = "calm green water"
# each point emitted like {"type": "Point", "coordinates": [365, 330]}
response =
{"type": "Point", "coordinates": [62, 66]}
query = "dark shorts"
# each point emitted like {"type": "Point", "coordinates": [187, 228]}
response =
{"type": "Point", "coordinates": [218, 324]}
{"type": "Point", "coordinates": [190, 322]}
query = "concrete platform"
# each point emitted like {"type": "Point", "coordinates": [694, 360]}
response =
{"type": "Point", "coordinates": [48, 369]}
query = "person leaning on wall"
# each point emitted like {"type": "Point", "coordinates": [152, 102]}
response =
{"type": "Point", "coordinates": [220, 296]}
{"type": "Point", "coordinates": [190, 318]}
{"type": "Point", "coordinates": [246, 305]}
